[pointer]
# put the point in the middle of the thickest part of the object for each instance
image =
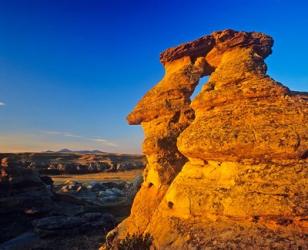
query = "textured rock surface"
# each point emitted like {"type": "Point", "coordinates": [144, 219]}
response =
{"type": "Point", "coordinates": [228, 170]}
{"type": "Point", "coordinates": [241, 113]}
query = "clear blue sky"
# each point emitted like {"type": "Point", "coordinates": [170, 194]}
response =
{"type": "Point", "coordinates": [70, 71]}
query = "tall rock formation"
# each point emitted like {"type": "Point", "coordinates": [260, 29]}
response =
{"type": "Point", "coordinates": [228, 170]}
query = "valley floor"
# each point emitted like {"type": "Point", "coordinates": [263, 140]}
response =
{"type": "Point", "coordinates": [89, 239]}
{"type": "Point", "coordinates": [101, 177]}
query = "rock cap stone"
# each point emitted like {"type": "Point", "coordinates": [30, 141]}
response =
{"type": "Point", "coordinates": [222, 40]}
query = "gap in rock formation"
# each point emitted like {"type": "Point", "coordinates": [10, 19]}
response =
{"type": "Point", "coordinates": [202, 81]}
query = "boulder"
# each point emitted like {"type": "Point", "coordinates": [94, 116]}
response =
{"type": "Point", "coordinates": [110, 199]}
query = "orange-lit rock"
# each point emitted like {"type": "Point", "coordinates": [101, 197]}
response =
{"type": "Point", "coordinates": [241, 113]}
{"type": "Point", "coordinates": [164, 113]}
{"type": "Point", "coordinates": [228, 171]}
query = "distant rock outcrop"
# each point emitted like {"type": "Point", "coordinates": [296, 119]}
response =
{"type": "Point", "coordinates": [66, 161]}
{"type": "Point", "coordinates": [229, 170]}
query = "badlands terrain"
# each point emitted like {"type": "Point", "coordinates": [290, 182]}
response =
{"type": "Point", "coordinates": [90, 193]}
{"type": "Point", "coordinates": [66, 161]}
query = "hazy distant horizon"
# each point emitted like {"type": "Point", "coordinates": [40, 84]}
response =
{"type": "Point", "coordinates": [71, 71]}
{"type": "Point", "coordinates": [15, 143]}
{"type": "Point", "coordinates": [72, 150]}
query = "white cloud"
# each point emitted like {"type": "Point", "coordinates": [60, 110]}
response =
{"type": "Point", "coordinates": [2, 104]}
{"type": "Point", "coordinates": [52, 132]}
{"type": "Point", "coordinates": [72, 135]}
{"type": "Point", "coordinates": [95, 139]}
{"type": "Point", "coordinates": [104, 141]}
{"type": "Point", "coordinates": [67, 134]}
{"type": "Point", "coordinates": [111, 144]}
{"type": "Point", "coordinates": [99, 140]}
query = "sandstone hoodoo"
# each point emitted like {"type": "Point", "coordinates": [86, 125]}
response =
{"type": "Point", "coordinates": [229, 169]}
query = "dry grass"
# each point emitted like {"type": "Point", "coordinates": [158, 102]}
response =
{"type": "Point", "coordinates": [106, 176]}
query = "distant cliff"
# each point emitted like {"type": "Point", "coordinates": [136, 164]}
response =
{"type": "Point", "coordinates": [229, 169]}
{"type": "Point", "coordinates": [70, 162]}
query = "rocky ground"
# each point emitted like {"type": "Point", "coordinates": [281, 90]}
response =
{"type": "Point", "coordinates": [100, 193]}
{"type": "Point", "coordinates": [36, 214]}
{"type": "Point", "coordinates": [70, 162]}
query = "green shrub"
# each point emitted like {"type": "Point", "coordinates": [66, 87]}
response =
{"type": "Point", "coordinates": [136, 242]}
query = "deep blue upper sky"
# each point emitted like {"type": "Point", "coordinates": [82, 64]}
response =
{"type": "Point", "coordinates": [70, 71]}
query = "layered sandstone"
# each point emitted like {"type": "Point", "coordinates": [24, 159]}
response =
{"type": "Point", "coordinates": [228, 170]}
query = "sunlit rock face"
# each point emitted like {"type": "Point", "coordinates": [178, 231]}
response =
{"type": "Point", "coordinates": [164, 113]}
{"type": "Point", "coordinates": [241, 113]}
{"type": "Point", "coordinates": [228, 170]}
